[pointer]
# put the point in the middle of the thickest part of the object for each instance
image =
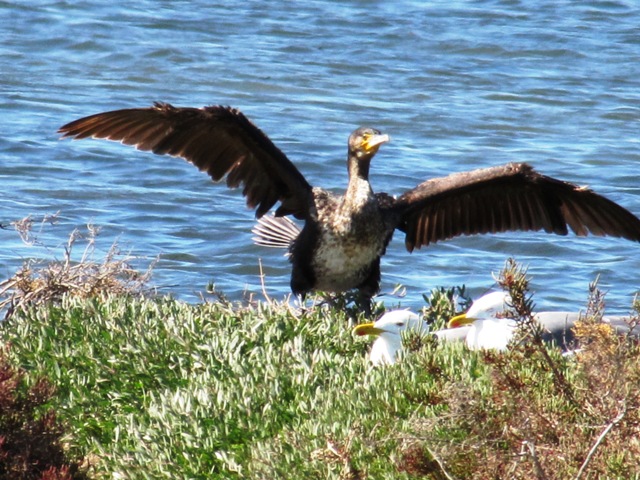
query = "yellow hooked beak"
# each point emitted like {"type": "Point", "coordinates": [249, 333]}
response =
{"type": "Point", "coordinates": [460, 321]}
{"type": "Point", "coordinates": [367, 329]}
{"type": "Point", "coordinates": [373, 142]}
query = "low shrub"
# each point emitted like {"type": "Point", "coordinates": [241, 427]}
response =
{"type": "Point", "coordinates": [31, 437]}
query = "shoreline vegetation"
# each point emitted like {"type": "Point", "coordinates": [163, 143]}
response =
{"type": "Point", "coordinates": [101, 378]}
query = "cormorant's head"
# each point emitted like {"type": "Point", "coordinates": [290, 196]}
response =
{"type": "Point", "coordinates": [365, 141]}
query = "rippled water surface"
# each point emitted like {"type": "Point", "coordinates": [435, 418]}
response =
{"type": "Point", "coordinates": [457, 85]}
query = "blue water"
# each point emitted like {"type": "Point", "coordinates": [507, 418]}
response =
{"type": "Point", "coordinates": [457, 85]}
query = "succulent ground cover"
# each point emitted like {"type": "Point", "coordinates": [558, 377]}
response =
{"type": "Point", "coordinates": [123, 385]}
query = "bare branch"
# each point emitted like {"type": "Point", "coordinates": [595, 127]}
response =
{"type": "Point", "coordinates": [599, 440]}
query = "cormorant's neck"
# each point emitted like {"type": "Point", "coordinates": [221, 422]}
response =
{"type": "Point", "coordinates": [358, 167]}
{"type": "Point", "coordinates": [359, 192]}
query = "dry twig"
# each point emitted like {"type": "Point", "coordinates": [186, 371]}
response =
{"type": "Point", "coordinates": [599, 440]}
{"type": "Point", "coordinates": [40, 282]}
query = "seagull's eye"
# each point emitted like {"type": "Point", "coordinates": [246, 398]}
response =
{"type": "Point", "coordinates": [399, 324]}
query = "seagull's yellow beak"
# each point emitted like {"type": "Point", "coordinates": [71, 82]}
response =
{"type": "Point", "coordinates": [460, 321]}
{"type": "Point", "coordinates": [367, 329]}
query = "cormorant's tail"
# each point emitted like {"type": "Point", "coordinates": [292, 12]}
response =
{"type": "Point", "coordinates": [276, 232]}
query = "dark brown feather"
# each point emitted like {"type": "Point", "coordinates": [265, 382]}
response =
{"type": "Point", "coordinates": [508, 197]}
{"type": "Point", "coordinates": [218, 140]}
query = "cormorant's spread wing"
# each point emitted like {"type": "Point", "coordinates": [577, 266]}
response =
{"type": "Point", "coordinates": [218, 140]}
{"type": "Point", "coordinates": [508, 197]}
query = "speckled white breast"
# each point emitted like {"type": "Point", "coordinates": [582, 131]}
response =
{"type": "Point", "coordinates": [348, 245]}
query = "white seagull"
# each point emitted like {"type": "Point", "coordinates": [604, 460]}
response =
{"type": "Point", "coordinates": [486, 326]}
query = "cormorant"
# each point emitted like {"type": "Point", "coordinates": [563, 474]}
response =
{"type": "Point", "coordinates": [344, 236]}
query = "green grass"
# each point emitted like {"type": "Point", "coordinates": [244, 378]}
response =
{"type": "Point", "coordinates": [163, 389]}
{"type": "Point", "coordinates": [133, 388]}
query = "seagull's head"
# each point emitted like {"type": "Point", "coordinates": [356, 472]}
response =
{"type": "Point", "coordinates": [388, 332]}
{"type": "Point", "coordinates": [489, 327]}
{"type": "Point", "coordinates": [491, 305]}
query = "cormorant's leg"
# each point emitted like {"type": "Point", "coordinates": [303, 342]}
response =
{"type": "Point", "coordinates": [302, 297]}
{"type": "Point", "coordinates": [363, 301]}
{"type": "Point", "coordinates": [368, 288]}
